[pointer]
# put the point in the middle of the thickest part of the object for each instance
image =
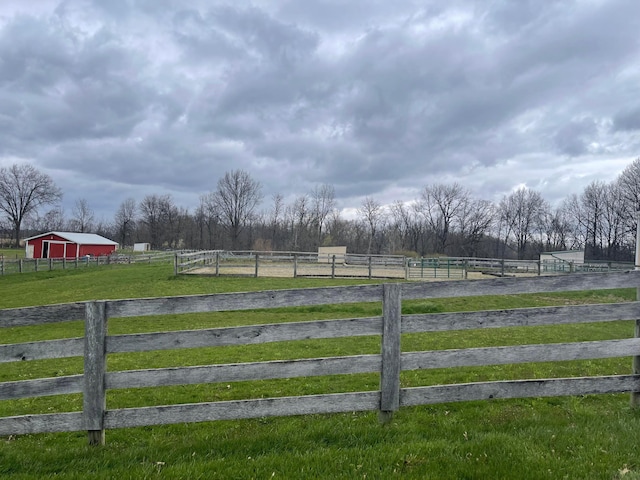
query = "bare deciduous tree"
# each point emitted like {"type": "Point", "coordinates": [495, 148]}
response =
{"type": "Point", "coordinates": [336, 228]}
{"type": "Point", "coordinates": [475, 218]}
{"type": "Point", "coordinates": [236, 198]}
{"type": "Point", "coordinates": [323, 203]}
{"type": "Point", "coordinates": [557, 230]}
{"type": "Point", "coordinates": [275, 220]}
{"type": "Point", "coordinates": [520, 216]}
{"type": "Point", "coordinates": [82, 219]}
{"type": "Point", "coordinates": [23, 190]}
{"type": "Point", "coordinates": [52, 220]}
{"type": "Point", "coordinates": [299, 218]}
{"type": "Point", "coordinates": [441, 206]}
{"type": "Point", "coordinates": [629, 184]}
{"type": "Point", "coordinates": [592, 202]}
{"type": "Point", "coordinates": [601, 209]}
{"type": "Point", "coordinates": [629, 181]}
{"type": "Point", "coordinates": [125, 221]}
{"type": "Point", "coordinates": [158, 214]}
{"type": "Point", "coordinates": [208, 221]}
{"type": "Point", "coordinates": [400, 224]}
{"type": "Point", "coordinates": [373, 216]}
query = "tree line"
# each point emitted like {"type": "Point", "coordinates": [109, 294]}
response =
{"type": "Point", "coordinates": [445, 219]}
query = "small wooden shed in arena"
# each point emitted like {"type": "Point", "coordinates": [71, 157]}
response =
{"type": "Point", "coordinates": [68, 245]}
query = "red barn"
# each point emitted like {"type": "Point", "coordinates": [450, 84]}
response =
{"type": "Point", "coordinates": [68, 245]}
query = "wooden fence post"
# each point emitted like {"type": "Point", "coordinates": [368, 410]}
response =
{"type": "Point", "coordinates": [333, 266]}
{"type": "Point", "coordinates": [217, 264]}
{"type": "Point", "coordinates": [390, 374]}
{"type": "Point", "coordinates": [257, 263]}
{"type": "Point", "coordinates": [95, 365]}
{"type": "Point", "coordinates": [369, 267]}
{"type": "Point", "coordinates": [175, 265]}
{"type": "Point", "coordinates": [295, 265]}
{"type": "Point", "coordinates": [635, 396]}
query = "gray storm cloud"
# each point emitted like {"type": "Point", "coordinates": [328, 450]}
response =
{"type": "Point", "coordinates": [374, 97]}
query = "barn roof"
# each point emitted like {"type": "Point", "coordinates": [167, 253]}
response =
{"type": "Point", "coordinates": [79, 238]}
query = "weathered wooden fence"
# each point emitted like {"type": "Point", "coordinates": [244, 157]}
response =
{"type": "Point", "coordinates": [97, 344]}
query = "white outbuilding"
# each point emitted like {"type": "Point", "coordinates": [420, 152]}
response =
{"type": "Point", "coordinates": [561, 261]}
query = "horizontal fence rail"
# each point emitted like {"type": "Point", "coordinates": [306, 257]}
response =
{"type": "Point", "coordinates": [291, 264]}
{"type": "Point", "coordinates": [435, 268]}
{"type": "Point", "coordinates": [97, 344]}
{"type": "Point", "coordinates": [311, 264]}
{"type": "Point", "coordinates": [29, 265]}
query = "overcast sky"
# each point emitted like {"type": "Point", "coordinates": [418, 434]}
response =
{"type": "Point", "coordinates": [123, 98]}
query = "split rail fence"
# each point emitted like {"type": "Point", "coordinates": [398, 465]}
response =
{"type": "Point", "coordinates": [97, 344]}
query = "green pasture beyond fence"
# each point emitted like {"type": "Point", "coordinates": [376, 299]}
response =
{"type": "Point", "coordinates": [97, 344]}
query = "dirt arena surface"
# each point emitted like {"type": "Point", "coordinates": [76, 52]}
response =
{"type": "Point", "coordinates": [341, 271]}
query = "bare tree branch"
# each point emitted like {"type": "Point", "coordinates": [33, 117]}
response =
{"type": "Point", "coordinates": [23, 190]}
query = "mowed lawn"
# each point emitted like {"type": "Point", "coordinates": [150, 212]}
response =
{"type": "Point", "coordinates": [568, 437]}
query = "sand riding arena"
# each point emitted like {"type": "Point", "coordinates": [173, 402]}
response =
{"type": "Point", "coordinates": [313, 265]}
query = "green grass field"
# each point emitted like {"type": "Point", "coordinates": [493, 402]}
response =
{"type": "Point", "coordinates": [12, 253]}
{"type": "Point", "coordinates": [591, 437]}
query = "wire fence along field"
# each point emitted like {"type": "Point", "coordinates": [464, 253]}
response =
{"type": "Point", "coordinates": [515, 267]}
{"type": "Point", "coordinates": [27, 265]}
{"type": "Point", "coordinates": [97, 344]}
